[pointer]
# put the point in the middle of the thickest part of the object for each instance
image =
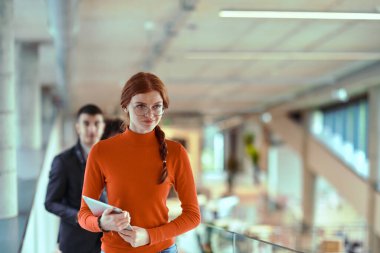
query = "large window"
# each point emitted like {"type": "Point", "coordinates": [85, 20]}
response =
{"type": "Point", "coordinates": [344, 129]}
{"type": "Point", "coordinates": [213, 150]}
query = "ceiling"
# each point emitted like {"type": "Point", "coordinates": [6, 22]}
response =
{"type": "Point", "coordinates": [212, 66]}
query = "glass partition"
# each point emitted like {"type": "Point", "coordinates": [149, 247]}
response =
{"type": "Point", "coordinates": [216, 239]}
{"type": "Point", "coordinates": [42, 228]}
{"type": "Point", "coordinates": [344, 238]}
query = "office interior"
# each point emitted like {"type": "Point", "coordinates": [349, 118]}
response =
{"type": "Point", "coordinates": [283, 95]}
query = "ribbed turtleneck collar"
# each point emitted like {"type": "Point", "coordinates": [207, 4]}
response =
{"type": "Point", "coordinates": [140, 139]}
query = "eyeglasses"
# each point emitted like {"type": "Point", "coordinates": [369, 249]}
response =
{"type": "Point", "coordinates": [142, 110]}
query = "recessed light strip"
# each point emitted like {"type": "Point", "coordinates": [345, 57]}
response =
{"type": "Point", "coordinates": [299, 15]}
{"type": "Point", "coordinates": [292, 56]}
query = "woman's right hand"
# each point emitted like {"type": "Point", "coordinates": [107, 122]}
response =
{"type": "Point", "coordinates": [114, 221]}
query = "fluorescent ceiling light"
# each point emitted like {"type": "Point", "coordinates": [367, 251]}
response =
{"type": "Point", "coordinates": [340, 94]}
{"type": "Point", "coordinates": [266, 117]}
{"type": "Point", "coordinates": [299, 15]}
{"type": "Point", "coordinates": [291, 56]}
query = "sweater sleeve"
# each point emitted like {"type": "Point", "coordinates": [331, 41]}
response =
{"type": "Point", "coordinates": [185, 187]}
{"type": "Point", "coordinates": [92, 187]}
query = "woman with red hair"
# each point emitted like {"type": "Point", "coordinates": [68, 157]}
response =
{"type": "Point", "coordinates": [138, 168]}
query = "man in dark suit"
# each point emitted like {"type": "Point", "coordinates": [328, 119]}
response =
{"type": "Point", "coordinates": [64, 191]}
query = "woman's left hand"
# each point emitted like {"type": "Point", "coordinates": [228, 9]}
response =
{"type": "Point", "coordinates": [138, 237]}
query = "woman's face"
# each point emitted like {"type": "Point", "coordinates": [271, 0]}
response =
{"type": "Point", "coordinates": [145, 111]}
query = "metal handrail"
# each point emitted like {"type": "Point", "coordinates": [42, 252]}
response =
{"type": "Point", "coordinates": [236, 235]}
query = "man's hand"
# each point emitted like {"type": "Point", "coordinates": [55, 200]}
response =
{"type": "Point", "coordinates": [114, 222]}
{"type": "Point", "coordinates": [138, 237]}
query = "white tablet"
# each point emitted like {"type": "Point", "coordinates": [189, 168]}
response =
{"type": "Point", "coordinates": [97, 207]}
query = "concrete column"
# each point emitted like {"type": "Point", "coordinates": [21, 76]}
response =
{"type": "Point", "coordinates": [375, 244]}
{"type": "Point", "coordinates": [308, 198]}
{"type": "Point", "coordinates": [264, 149]}
{"type": "Point", "coordinates": [29, 94]}
{"type": "Point", "coordinates": [374, 156]}
{"type": "Point", "coordinates": [8, 172]}
{"type": "Point", "coordinates": [308, 189]}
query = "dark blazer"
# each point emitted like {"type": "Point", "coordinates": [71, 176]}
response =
{"type": "Point", "coordinates": [63, 198]}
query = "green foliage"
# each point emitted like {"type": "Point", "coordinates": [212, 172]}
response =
{"type": "Point", "coordinates": [250, 148]}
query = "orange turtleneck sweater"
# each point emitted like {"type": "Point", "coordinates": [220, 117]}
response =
{"type": "Point", "coordinates": [129, 166]}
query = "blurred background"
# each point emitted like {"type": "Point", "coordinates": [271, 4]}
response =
{"type": "Point", "coordinates": [276, 102]}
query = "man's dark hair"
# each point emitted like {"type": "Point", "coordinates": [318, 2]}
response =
{"type": "Point", "coordinates": [113, 127]}
{"type": "Point", "coordinates": [90, 109]}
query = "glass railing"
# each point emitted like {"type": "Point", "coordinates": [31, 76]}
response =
{"type": "Point", "coordinates": [344, 238]}
{"type": "Point", "coordinates": [29, 163]}
{"type": "Point", "coordinates": [42, 228]}
{"type": "Point", "coordinates": [213, 239]}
